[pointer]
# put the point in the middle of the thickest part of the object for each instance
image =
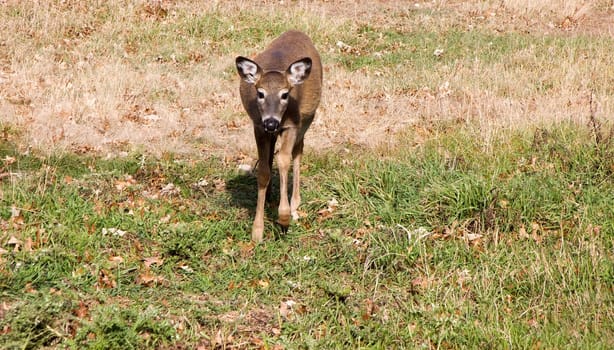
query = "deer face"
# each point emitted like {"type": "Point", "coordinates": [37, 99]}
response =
{"type": "Point", "coordinates": [273, 88]}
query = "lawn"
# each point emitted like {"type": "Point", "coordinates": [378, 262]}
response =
{"type": "Point", "coordinates": [458, 184]}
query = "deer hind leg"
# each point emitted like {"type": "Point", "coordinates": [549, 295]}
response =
{"type": "Point", "coordinates": [264, 179]}
{"type": "Point", "coordinates": [295, 201]}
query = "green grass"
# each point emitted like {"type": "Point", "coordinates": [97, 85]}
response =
{"type": "Point", "coordinates": [393, 264]}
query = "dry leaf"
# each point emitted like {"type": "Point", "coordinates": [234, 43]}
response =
{"type": "Point", "coordinates": [154, 260]}
{"type": "Point", "coordinates": [473, 236]}
{"type": "Point", "coordinates": [370, 309]}
{"type": "Point", "coordinates": [186, 268]}
{"type": "Point", "coordinates": [169, 190]}
{"type": "Point", "coordinates": [113, 231]}
{"type": "Point", "coordinates": [219, 184]}
{"type": "Point", "coordinates": [82, 311]}
{"type": "Point", "coordinates": [105, 279]}
{"type": "Point", "coordinates": [148, 279]}
{"type": "Point", "coordinates": [286, 308]}
{"type": "Point", "coordinates": [29, 289]}
{"type": "Point", "coordinates": [13, 241]}
{"type": "Point", "coordinates": [128, 181]}
{"type": "Point", "coordinates": [246, 249]}
{"type": "Point", "coordinates": [116, 259]}
{"type": "Point", "coordinates": [8, 160]}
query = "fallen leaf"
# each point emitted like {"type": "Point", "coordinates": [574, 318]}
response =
{"type": "Point", "coordinates": [246, 249]}
{"type": "Point", "coordinates": [285, 308]}
{"type": "Point", "coordinates": [473, 236]}
{"type": "Point", "coordinates": [29, 289]}
{"type": "Point", "coordinates": [370, 309]}
{"type": "Point", "coordinates": [219, 184]}
{"type": "Point", "coordinates": [128, 181]}
{"type": "Point", "coordinates": [154, 260]}
{"type": "Point", "coordinates": [522, 232]}
{"type": "Point", "coordinates": [13, 241]}
{"type": "Point", "coordinates": [116, 259]}
{"type": "Point", "coordinates": [82, 311]}
{"type": "Point", "coordinates": [113, 231]}
{"type": "Point", "coordinates": [148, 279]}
{"type": "Point", "coordinates": [27, 246]}
{"type": "Point", "coordinates": [186, 268]}
{"type": "Point", "coordinates": [169, 190]}
{"type": "Point", "coordinates": [106, 280]}
{"type": "Point", "coordinates": [8, 160]}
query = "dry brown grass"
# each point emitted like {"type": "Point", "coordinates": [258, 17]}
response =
{"type": "Point", "coordinates": [71, 78]}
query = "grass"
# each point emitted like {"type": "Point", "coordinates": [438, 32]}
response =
{"type": "Point", "coordinates": [437, 245]}
{"type": "Point", "coordinates": [462, 199]}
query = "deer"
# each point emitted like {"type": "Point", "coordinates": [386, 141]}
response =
{"type": "Point", "coordinates": [280, 90]}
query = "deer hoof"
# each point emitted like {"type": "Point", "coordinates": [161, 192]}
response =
{"type": "Point", "coordinates": [284, 228]}
{"type": "Point", "coordinates": [257, 235]}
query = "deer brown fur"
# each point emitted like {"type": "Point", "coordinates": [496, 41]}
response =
{"type": "Point", "coordinates": [280, 90]}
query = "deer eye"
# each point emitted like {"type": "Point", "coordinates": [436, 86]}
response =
{"type": "Point", "coordinates": [260, 95]}
{"type": "Point", "coordinates": [284, 96]}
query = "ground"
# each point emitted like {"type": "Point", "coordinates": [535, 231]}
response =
{"type": "Point", "coordinates": [109, 79]}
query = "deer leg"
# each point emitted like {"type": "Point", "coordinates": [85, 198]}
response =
{"type": "Point", "coordinates": [295, 201]}
{"type": "Point", "coordinates": [269, 188]}
{"type": "Point", "coordinates": [264, 178]}
{"type": "Point", "coordinates": [284, 158]}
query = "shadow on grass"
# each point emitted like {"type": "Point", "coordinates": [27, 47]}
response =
{"type": "Point", "coordinates": [243, 189]}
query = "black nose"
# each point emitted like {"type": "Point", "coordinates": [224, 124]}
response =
{"type": "Point", "coordinates": [271, 125]}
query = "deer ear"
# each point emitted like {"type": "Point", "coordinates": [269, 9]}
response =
{"type": "Point", "coordinates": [248, 69]}
{"type": "Point", "coordinates": [299, 71]}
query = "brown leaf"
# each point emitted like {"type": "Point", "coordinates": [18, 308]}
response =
{"type": "Point", "coordinates": [154, 260]}
{"type": "Point", "coordinates": [128, 181]}
{"type": "Point", "coordinates": [105, 279]}
{"type": "Point", "coordinates": [370, 309]}
{"type": "Point", "coordinates": [13, 241]}
{"type": "Point", "coordinates": [246, 249]}
{"type": "Point", "coordinates": [27, 247]}
{"type": "Point", "coordinates": [522, 232]}
{"type": "Point", "coordinates": [116, 260]}
{"type": "Point", "coordinates": [219, 184]}
{"type": "Point", "coordinates": [8, 160]}
{"type": "Point", "coordinates": [148, 279]}
{"type": "Point", "coordinates": [29, 289]}
{"type": "Point", "coordinates": [82, 311]}
{"type": "Point", "coordinates": [286, 308]}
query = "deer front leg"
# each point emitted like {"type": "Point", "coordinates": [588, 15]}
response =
{"type": "Point", "coordinates": [284, 158]}
{"type": "Point", "coordinates": [264, 178]}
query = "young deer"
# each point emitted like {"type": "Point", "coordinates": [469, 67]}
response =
{"type": "Point", "coordinates": [280, 90]}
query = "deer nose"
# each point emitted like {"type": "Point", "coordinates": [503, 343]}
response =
{"type": "Point", "coordinates": [271, 124]}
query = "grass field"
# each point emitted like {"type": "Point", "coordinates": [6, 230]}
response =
{"type": "Point", "coordinates": [458, 182]}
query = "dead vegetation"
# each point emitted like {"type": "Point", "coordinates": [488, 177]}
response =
{"type": "Point", "coordinates": [117, 76]}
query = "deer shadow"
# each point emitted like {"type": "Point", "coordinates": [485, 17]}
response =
{"type": "Point", "coordinates": [243, 190]}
